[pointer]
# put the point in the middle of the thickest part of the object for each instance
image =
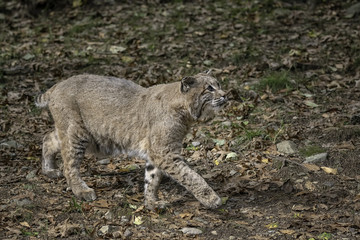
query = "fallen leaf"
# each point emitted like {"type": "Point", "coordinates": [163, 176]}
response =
{"type": "Point", "coordinates": [265, 160]}
{"type": "Point", "coordinates": [311, 167]}
{"type": "Point", "coordinates": [287, 231]}
{"type": "Point", "coordinates": [138, 220]}
{"type": "Point", "coordinates": [127, 59]}
{"type": "Point", "coordinates": [28, 56]}
{"type": "Point", "coordinates": [25, 224]}
{"type": "Point", "coordinates": [102, 203]}
{"type": "Point", "coordinates": [116, 49]}
{"type": "Point", "coordinates": [329, 170]}
{"type": "Point", "coordinates": [186, 215]}
{"type": "Point", "coordinates": [219, 142]}
{"type": "Point", "coordinates": [272, 225]}
{"type": "Point", "coordinates": [299, 207]}
{"type": "Point", "coordinates": [224, 200]}
{"type": "Point", "coordinates": [310, 104]}
{"type": "Point", "coordinates": [231, 155]}
{"type": "Point", "coordinates": [132, 206]}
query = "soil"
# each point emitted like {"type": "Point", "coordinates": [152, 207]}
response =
{"type": "Point", "coordinates": [294, 68]}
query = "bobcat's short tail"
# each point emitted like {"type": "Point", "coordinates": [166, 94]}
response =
{"type": "Point", "coordinates": [42, 100]}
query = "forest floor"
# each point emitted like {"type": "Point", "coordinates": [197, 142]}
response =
{"type": "Point", "coordinates": [296, 67]}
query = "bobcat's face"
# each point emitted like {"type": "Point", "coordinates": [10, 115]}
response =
{"type": "Point", "coordinates": [204, 96]}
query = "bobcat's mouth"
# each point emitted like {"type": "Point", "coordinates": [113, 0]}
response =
{"type": "Point", "coordinates": [219, 102]}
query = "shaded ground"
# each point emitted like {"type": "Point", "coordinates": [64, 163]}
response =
{"type": "Point", "coordinates": [312, 48]}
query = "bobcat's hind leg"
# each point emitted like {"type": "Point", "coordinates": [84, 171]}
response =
{"type": "Point", "coordinates": [152, 181]}
{"type": "Point", "coordinates": [51, 146]}
{"type": "Point", "coordinates": [72, 152]}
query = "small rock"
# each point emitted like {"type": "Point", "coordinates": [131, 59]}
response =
{"type": "Point", "coordinates": [191, 231]}
{"type": "Point", "coordinates": [357, 84]}
{"type": "Point", "coordinates": [299, 180]}
{"type": "Point", "coordinates": [109, 215]}
{"type": "Point", "coordinates": [328, 184]}
{"type": "Point", "coordinates": [104, 161]}
{"type": "Point", "coordinates": [233, 172]}
{"type": "Point", "coordinates": [288, 147]}
{"type": "Point", "coordinates": [3, 207]}
{"type": "Point", "coordinates": [226, 124]}
{"type": "Point", "coordinates": [219, 142]}
{"type": "Point", "coordinates": [316, 158]}
{"type": "Point", "coordinates": [28, 56]}
{"type": "Point", "coordinates": [116, 49]}
{"type": "Point", "coordinates": [208, 63]}
{"type": "Point", "coordinates": [104, 229]}
{"type": "Point", "coordinates": [127, 233]}
{"type": "Point", "coordinates": [116, 234]}
{"type": "Point", "coordinates": [124, 219]}
{"type": "Point", "coordinates": [231, 155]}
{"type": "Point", "coordinates": [214, 233]}
{"type": "Point", "coordinates": [231, 238]}
{"type": "Point", "coordinates": [23, 202]}
{"type": "Point", "coordinates": [31, 175]}
{"type": "Point", "coordinates": [8, 144]}
{"type": "Point", "coordinates": [196, 144]}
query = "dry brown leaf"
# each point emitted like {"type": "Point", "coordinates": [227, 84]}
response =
{"type": "Point", "coordinates": [102, 203]}
{"type": "Point", "coordinates": [299, 207]}
{"type": "Point", "coordinates": [25, 224]}
{"type": "Point", "coordinates": [329, 170]}
{"type": "Point", "coordinates": [311, 167]}
{"type": "Point", "coordinates": [186, 215]}
{"type": "Point", "coordinates": [287, 231]}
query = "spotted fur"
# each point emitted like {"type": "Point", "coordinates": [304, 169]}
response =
{"type": "Point", "coordinates": [110, 116]}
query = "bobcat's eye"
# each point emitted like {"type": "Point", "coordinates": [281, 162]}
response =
{"type": "Point", "coordinates": [210, 88]}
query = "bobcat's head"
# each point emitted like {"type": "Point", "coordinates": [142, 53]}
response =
{"type": "Point", "coordinates": [204, 97]}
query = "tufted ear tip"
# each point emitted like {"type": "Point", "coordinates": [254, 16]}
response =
{"type": "Point", "coordinates": [187, 83]}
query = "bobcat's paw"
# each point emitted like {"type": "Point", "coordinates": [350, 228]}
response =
{"type": "Point", "coordinates": [209, 198]}
{"type": "Point", "coordinates": [157, 206]}
{"type": "Point", "coordinates": [53, 173]}
{"type": "Point", "coordinates": [88, 195]}
{"type": "Point", "coordinates": [85, 193]}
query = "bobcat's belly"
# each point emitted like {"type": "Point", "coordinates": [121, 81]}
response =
{"type": "Point", "coordinates": [111, 149]}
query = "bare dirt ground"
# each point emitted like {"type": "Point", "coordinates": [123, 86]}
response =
{"type": "Point", "coordinates": [295, 65]}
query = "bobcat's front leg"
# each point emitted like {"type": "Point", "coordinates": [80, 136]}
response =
{"type": "Point", "coordinates": [152, 182]}
{"type": "Point", "coordinates": [177, 169]}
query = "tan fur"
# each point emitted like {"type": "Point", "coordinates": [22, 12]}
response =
{"type": "Point", "coordinates": [107, 116]}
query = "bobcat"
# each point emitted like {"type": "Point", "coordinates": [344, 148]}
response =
{"type": "Point", "coordinates": [109, 116]}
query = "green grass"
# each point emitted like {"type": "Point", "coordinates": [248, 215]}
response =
{"type": "Point", "coordinates": [74, 206]}
{"type": "Point", "coordinates": [275, 81]}
{"type": "Point", "coordinates": [311, 150]}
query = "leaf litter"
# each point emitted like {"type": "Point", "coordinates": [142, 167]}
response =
{"type": "Point", "coordinates": [295, 68]}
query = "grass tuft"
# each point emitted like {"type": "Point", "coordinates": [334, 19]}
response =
{"type": "Point", "coordinates": [276, 81]}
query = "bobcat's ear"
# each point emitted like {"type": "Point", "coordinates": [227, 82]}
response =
{"type": "Point", "coordinates": [186, 83]}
